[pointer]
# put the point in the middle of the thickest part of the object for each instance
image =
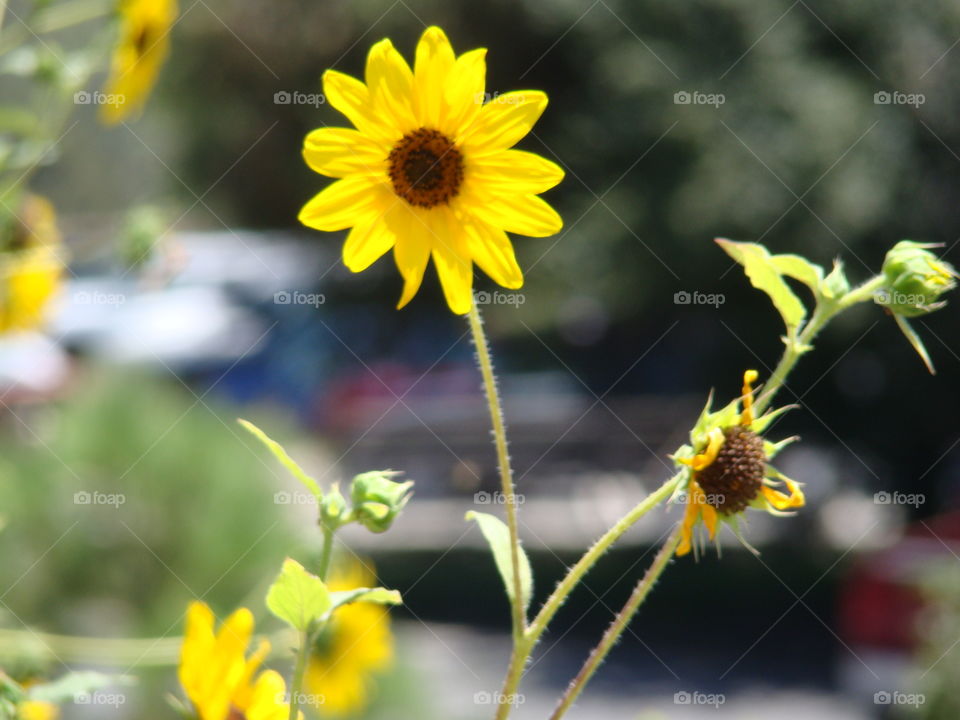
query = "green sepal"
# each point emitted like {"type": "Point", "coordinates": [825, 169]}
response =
{"type": "Point", "coordinates": [911, 335]}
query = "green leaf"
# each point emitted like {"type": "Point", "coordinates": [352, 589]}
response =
{"type": "Point", "coordinates": [498, 537]}
{"type": "Point", "coordinates": [765, 275]}
{"type": "Point", "coordinates": [71, 686]}
{"type": "Point", "coordinates": [911, 335]}
{"type": "Point", "coordinates": [836, 284]}
{"type": "Point", "coordinates": [379, 595]}
{"type": "Point", "coordinates": [280, 454]}
{"type": "Point", "coordinates": [799, 268]}
{"type": "Point", "coordinates": [298, 597]}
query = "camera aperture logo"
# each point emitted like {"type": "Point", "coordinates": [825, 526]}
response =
{"type": "Point", "coordinates": [683, 297]}
{"type": "Point", "coordinates": [84, 497]}
{"type": "Point", "coordinates": [695, 97]}
{"type": "Point", "coordinates": [286, 97]}
{"type": "Point", "coordinates": [295, 297]}
{"type": "Point", "coordinates": [83, 97]}
{"type": "Point", "coordinates": [685, 697]}
{"type": "Point", "coordinates": [482, 297]}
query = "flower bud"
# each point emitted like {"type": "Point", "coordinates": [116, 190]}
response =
{"type": "Point", "coordinates": [378, 499]}
{"type": "Point", "coordinates": [915, 279]}
{"type": "Point", "coordinates": [333, 508]}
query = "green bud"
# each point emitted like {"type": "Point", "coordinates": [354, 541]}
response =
{"type": "Point", "coordinates": [915, 279]}
{"type": "Point", "coordinates": [333, 508]}
{"type": "Point", "coordinates": [378, 499]}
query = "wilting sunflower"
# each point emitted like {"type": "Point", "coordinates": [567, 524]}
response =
{"type": "Point", "coordinates": [727, 468]}
{"type": "Point", "coordinates": [429, 170]}
{"type": "Point", "coordinates": [141, 50]}
{"type": "Point", "coordinates": [217, 676]}
{"type": "Point", "coordinates": [31, 264]}
{"type": "Point", "coordinates": [355, 645]}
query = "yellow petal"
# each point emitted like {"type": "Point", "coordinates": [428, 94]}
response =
{"type": "Point", "coordinates": [465, 91]}
{"type": "Point", "coordinates": [782, 501]}
{"type": "Point", "coordinates": [493, 252]}
{"type": "Point", "coordinates": [709, 515]}
{"type": "Point", "coordinates": [242, 694]}
{"type": "Point", "coordinates": [366, 243]}
{"type": "Point", "coordinates": [411, 252]}
{"type": "Point", "coordinates": [391, 86]}
{"type": "Point", "coordinates": [521, 214]}
{"type": "Point", "coordinates": [344, 203]}
{"type": "Point", "coordinates": [453, 263]}
{"type": "Point", "coordinates": [197, 643]}
{"type": "Point", "coordinates": [434, 62]}
{"type": "Point", "coordinates": [514, 172]}
{"type": "Point", "coordinates": [37, 710]}
{"type": "Point", "coordinates": [268, 700]}
{"type": "Point", "coordinates": [503, 121]}
{"type": "Point", "coordinates": [690, 516]}
{"type": "Point", "coordinates": [352, 98]}
{"type": "Point", "coordinates": [337, 152]}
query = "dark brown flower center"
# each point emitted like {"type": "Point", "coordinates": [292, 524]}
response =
{"type": "Point", "coordinates": [235, 714]}
{"type": "Point", "coordinates": [426, 168]}
{"type": "Point", "coordinates": [734, 478]}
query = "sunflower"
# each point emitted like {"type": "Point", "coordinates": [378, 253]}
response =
{"type": "Point", "coordinates": [30, 265]}
{"type": "Point", "coordinates": [140, 52]}
{"type": "Point", "coordinates": [355, 645]}
{"type": "Point", "coordinates": [727, 468]}
{"type": "Point", "coordinates": [217, 677]}
{"type": "Point", "coordinates": [429, 171]}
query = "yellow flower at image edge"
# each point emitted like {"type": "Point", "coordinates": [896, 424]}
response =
{"type": "Point", "coordinates": [429, 171]}
{"type": "Point", "coordinates": [141, 50]}
{"type": "Point", "coordinates": [217, 676]}
{"type": "Point", "coordinates": [31, 265]}
{"type": "Point", "coordinates": [354, 646]}
{"type": "Point", "coordinates": [728, 468]}
{"type": "Point", "coordinates": [37, 710]}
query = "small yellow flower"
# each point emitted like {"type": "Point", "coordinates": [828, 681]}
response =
{"type": "Point", "coordinates": [141, 50]}
{"type": "Point", "coordinates": [37, 710]}
{"type": "Point", "coordinates": [429, 170]}
{"type": "Point", "coordinates": [354, 646]}
{"type": "Point", "coordinates": [727, 468]}
{"type": "Point", "coordinates": [31, 266]}
{"type": "Point", "coordinates": [217, 676]}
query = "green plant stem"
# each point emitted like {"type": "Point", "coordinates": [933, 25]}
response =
{"type": "Point", "coordinates": [326, 553]}
{"type": "Point", "coordinates": [573, 577]}
{"type": "Point", "coordinates": [619, 624]}
{"type": "Point", "coordinates": [296, 685]}
{"type": "Point", "coordinates": [503, 459]}
{"type": "Point", "coordinates": [801, 344]}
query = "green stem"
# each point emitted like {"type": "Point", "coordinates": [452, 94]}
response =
{"type": "Point", "coordinates": [296, 685]}
{"type": "Point", "coordinates": [619, 624]}
{"type": "Point", "coordinates": [539, 624]}
{"type": "Point", "coordinates": [326, 553]}
{"type": "Point", "coordinates": [503, 459]}
{"type": "Point", "coordinates": [798, 346]}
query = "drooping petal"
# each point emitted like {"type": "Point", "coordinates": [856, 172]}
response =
{"type": "Point", "coordinates": [411, 253]}
{"type": "Point", "coordinates": [337, 152]}
{"type": "Point", "coordinates": [521, 214]}
{"type": "Point", "coordinates": [514, 172]}
{"type": "Point", "coordinates": [465, 91]}
{"type": "Point", "coordinates": [433, 63]}
{"type": "Point", "coordinates": [690, 517]}
{"type": "Point", "coordinates": [390, 82]}
{"type": "Point", "coordinates": [493, 252]}
{"type": "Point", "coordinates": [366, 243]}
{"type": "Point", "coordinates": [352, 98]}
{"type": "Point", "coordinates": [344, 204]}
{"type": "Point", "coordinates": [267, 699]}
{"type": "Point", "coordinates": [452, 259]}
{"type": "Point", "coordinates": [503, 121]}
{"type": "Point", "coordinates": [784, 501]}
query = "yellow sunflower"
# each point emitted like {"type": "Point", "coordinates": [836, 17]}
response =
{"type": "Point", "coordinates": [728, 471]}
{"type": "Point", "coordinates": [31, 265]}
{"type": "Point", "coordinates": [37, 710]}
{"type": "Point", "coordinates": [355, 645]}
{"type": "Point", "coordinates": [429, 170]}
{"type": "Point", "coordinates": [217, 676]}
{"type": "Point", "coordinates": [141, 50]}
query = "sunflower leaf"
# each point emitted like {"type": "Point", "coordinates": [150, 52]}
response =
{"type": "Point", "coordinates": [378, 595]}
{"type": "Point", "coordinates": [799, 268]}
{"type": "Point", "coordinates": [280, 454]}
{"type": "Point", "coordinates": [498, 538]}
{"type": "Point", "coordinates": [298, 597]}
{"type": "Point", "coordinates": [765, 275]}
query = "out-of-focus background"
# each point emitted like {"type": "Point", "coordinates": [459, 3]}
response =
{"type": "Point", "coordinates": [826, 129]}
